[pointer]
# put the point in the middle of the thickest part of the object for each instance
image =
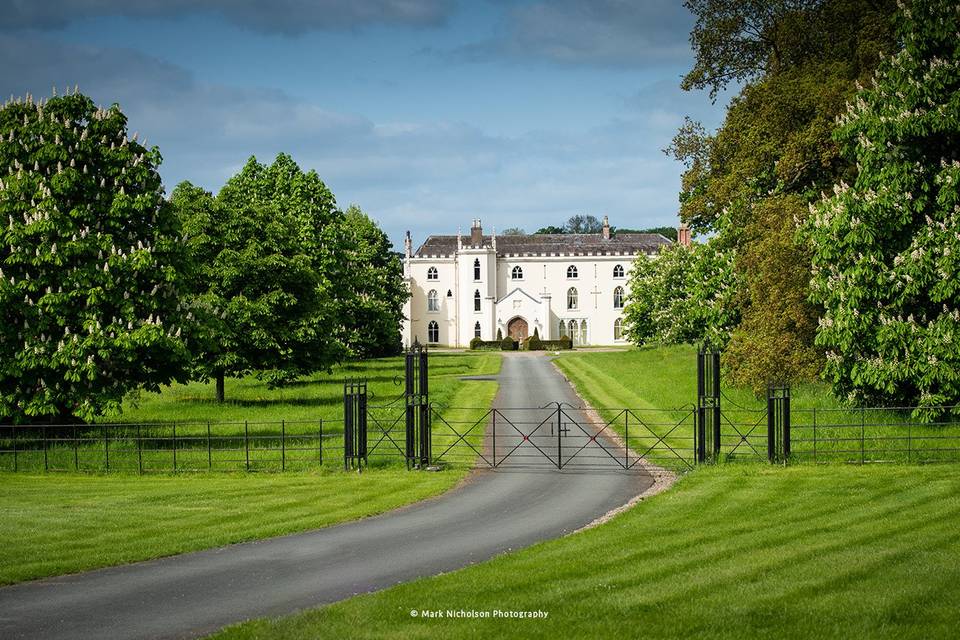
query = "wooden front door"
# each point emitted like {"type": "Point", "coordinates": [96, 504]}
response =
{"type": "Point", "coordinates": [517, 329]}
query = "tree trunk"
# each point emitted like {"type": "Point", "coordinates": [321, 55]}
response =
{"type": "Point", "coordinates": [220, 387]}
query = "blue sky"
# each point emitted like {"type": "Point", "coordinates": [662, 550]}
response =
{"type": "Point", "coordinates": [426, 113]}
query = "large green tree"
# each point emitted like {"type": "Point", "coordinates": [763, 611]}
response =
{"type": "Point", "coordinates": [90, 260]}
{"type": "Point", "coordinates": [681, 296]}
{"type": "Point", "coordinates": [750, 183]}
{"type": "Point", "coordinates": [266, 255]}
{"type": "Point", "coordinates": [372, 308]}
{"type": "Point", "coordinates": [886, 246]}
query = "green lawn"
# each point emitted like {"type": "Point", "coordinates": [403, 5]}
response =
{"type": "Point", "coordinates": [744, 551]}
{"type": "Point", "coordinates": [58, 523]}
{"type": "Point", "coordinates": [731, 551]}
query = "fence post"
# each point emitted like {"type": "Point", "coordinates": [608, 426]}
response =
{"type": "Point", "coordinates": [778, 422]}
{"type": "Point", "coordinates": [139, 452]}
{"type": "Point", "coordinates": [106, 448]}
{"type": "Point", "coordinates": [76, 450]}
{"type": "Point", "coordinates": [43, 435]}
{"type": "Point", "coordinates": [209, 449]}
{"type": "Point", "coordinates": [174, 446]}
{"type": "Point", "coordinates": [417, 406]}
{"type": "Point", "coordinates": [707, 422]}
{"type": "Point", "coordinates": [283, 445]}
{"type": "Point", "coordinates": [13, 430]}
{"type": "Point", "coordinates": [321, 442]}
{"type": "Point", "coordinates": [246, 442]}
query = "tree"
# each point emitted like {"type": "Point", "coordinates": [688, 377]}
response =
{"type": "Point", "coordinates": [681, 296]}
{"type": "Point", "coordinates": [549, 230]}
{"type": "Point", "coordinates": [89, 263]}
{"type": "Point", "coordinates": [751, 181]}
{"type": "Point", "coordinates": [373, 309]}
{"type": "Point", "coordinates": [885, 248]}
{"type": "Point", "coordinates": [271, 265]}
{"type": "Point", "coordinates": [583, 224]}
{"type": "Point", "coordinates": [514, 231]}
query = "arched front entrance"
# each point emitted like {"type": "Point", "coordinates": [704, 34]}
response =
{"type": "Point", "coordinates": [517, 328]}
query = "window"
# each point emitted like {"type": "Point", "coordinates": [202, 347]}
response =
{"type": "Point", "coordinates": [583, 332]}
{"type": "Point", "coordinates": [517, 273]}
{"type": "Point", "coordinates": [476, 269]}
{"type": "Point", "coordinates": [563, 328]}
{"type": "Point", "coordinates": [476, 300]}
{"type": "Point", "coordinates": [433, 331]}
{"type": "Point", "coordinates": [618, 329]}
{"type": "Point", "coordinates": [618, 271]}
{"type": "Point", "coordinates": [449, 293]}
{"type": "Point", "coordinates": [433, 302]}
{"type": "Point", "coordinates": [571, 272]}
{"type": "Point", "coordinates": [432, 274]}
{"type": "Point", "coordinates": [476, 330]}
{"type": "Point", "coordinates": [618, 298]}
{"type": "Point", "coordinates": [574, 334]}
{"type": "Point", "coordinates": [572, 298]}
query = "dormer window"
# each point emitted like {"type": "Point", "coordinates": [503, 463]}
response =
{"type": "Point", "coordinates": [571, 273]}
{"type": "Point", "coordinates": [516, 273]}
{"type": "Point", "coordinates": [476, 269]}
{"type": "Point", "coordinates": [618, 271]}
{"type": "Point", "coordinates": [432, 274]}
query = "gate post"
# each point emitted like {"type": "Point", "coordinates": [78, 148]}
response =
{"type": "Point", "coordinates": [354, 424]}
{"type": "Point", "coordinates": [417, 397]}
{"type": "Point", "coordinates": [707, 427]}
{"type": "Point", "coordinates": [778, 422]}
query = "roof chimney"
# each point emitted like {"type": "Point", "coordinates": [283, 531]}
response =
{"type": "Point", "coordinates": [476, 233]}
{"type": "Point", "coordinates": [606, 228]}
{"type": "Point", "coordinates": [683, 234]}
{"type": "Point", "coordinates": [408, 245]}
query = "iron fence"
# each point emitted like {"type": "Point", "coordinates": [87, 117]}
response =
{"type": "Point", "coordinates": [875, 435]}
{"type": "Point", "coordinates": [172, 446]}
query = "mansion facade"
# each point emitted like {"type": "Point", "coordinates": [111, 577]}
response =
{"type": "Point", "coordinates": [466, 287]}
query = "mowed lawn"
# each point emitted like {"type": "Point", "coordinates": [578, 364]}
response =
{"type": "Point", "coordinates": [731, 551]}
{"type": "Point", "coordinates": [59, 523]}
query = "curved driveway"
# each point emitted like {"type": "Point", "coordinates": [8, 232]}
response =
{"type": "Point", "coordinates": [193, 594]}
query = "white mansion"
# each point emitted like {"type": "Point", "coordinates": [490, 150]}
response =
{"type": "Point", "coordinates": [570, 284]}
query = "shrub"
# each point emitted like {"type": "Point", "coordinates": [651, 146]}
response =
{"type": "Point", "coordinates": [534, 343]}
{"type": "Point", "coordinates": [484, 345]}
{"type": "Point", "coordinates": [508, 344]}
{"type": "Point", "coordinates": [475, 343]}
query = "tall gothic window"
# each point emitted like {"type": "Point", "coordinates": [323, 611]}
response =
{"type": "Point", "coordinates": [618, 271]}
{"type": "Point", "coordinates": [517, 273]}
{"type": "Point", "coordinates": [618, 329]}
{"type": "Point", "coordinates": [574, 333]}
{"type": "Point", "coordinates": [433, 301]}
{"type": "Point", "coordinates": [432, 274]}
{"type": "Point", "coordinates": [572, 298]}
{"type": "Point", "coordinates": [476, 330]}
{"type": "Point", "coordinates": [571, 272]}
{"type": "Point", "coordinates": [563, 328]}
{"type": "Point", "coordinates": [476, 269]}
{"type": "Point", "coordinates": [583, 332]}
{"type": "Point", "coordinates": [618, 298]}
{"type": "Point", "coordinates": [476, 300]}
{"type": "Point", "coordinates": [433, 331]}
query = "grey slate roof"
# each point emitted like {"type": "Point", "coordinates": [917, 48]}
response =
{"type": "Point", "coordinates": [552, 244]}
